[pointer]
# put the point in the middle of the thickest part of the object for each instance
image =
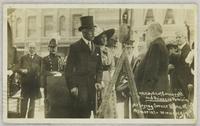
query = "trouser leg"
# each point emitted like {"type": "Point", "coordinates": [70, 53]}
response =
{"type": "Point", "coordinates": [31, 108]}
{"type": "Point", "coordinates": [46, 108]}
{"type": "Point", "coordinates": [24, 103]}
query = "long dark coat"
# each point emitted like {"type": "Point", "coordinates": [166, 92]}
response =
{"type": "Point", "coordinates": [152, 76]}
{"type": "Point", "coordinates": [83, 70]}
{"type": "Point", "coordinates": [31, 80]}
{"type": "Point", "coordinates": [152, 72]}
{"type": "Point", "coordinates": [182, 74]}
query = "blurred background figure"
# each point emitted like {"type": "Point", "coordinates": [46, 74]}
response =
{"type": "Point", "coordinates": [190, 58]}
{"type": "Point", "coordinates": [129, 46]}
{"type": "Point", "coordinates": [139, 53]}
{"type": "Point", "coordinates": [182, 69]}
{"type": "Point", "coordinates": [125, 30]}
{"type": "Point", "coordinates": [173, 50]}
{"type": "Point", "coordinates": [30, 70]}
{"type": "Point", "coordinates": [181, 78]}
{"type": "Point", "coordinates": [13, 80]}
{"type": "Point", "coordinates": [115, 47]}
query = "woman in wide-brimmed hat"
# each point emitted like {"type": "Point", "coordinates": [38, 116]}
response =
{"type": "Point", "coordinates": [108, 62]}
{"type": "Point", "coordinates": [101, 40]}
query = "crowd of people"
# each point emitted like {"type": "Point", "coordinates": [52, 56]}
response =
{"type": "Point", "coordinates": [91, 63]}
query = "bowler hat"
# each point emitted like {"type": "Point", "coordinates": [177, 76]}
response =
{"type": "Point", "coordinates": [52, 43]}
{"type": "Point", "coordinates": [86, 22]}
{"type": "Point", "coordinates": [171, 45]}
{"type": "Point", "coordinates": [109, 33]}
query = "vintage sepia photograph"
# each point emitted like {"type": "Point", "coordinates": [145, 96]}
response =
{"type": "Point", "coordinates": [94, 62]}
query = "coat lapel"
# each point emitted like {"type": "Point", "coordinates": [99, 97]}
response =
{"type": "Point", "coordinates": [29, 60]}
{"type": "Point", "coordinates": [93, 47]}
{"type": "Point", "coordinates": [84, 46]}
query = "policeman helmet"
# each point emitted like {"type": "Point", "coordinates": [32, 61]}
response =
{"type": "Point", "coordinates": [52, 43]}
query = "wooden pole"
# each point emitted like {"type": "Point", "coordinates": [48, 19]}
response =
{"type": "Point", "coordinates": [134, 94]}
{"type": "Point", "coordinates": [120, 13]}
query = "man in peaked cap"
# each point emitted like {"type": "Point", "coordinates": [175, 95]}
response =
{"type": "Point", "coordinates": [83, 71]}
{"type": "Point", "coordinates": [50, 62]}
{"type": "Point", "coordinates": [50, 67]}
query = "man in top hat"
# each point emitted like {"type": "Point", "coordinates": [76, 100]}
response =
{"type": "Point", "coordinates": [83, 71]}
{"type": "Point", "coordinates": [30, 69]}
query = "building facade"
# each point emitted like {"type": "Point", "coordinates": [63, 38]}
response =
{"type": "Point", "coordinates": [41, 25]}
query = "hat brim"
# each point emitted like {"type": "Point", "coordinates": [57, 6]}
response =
{"type": "Point", "coordinates": [109, 33]}
{"type": "Point", "coordinates": [169, 46]}
{"type": "Point", "coordinates": [51, 45]}
{"type": "Point", "coordinates": [82, 27]}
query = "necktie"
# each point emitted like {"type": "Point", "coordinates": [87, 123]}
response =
{"type": "Point", "coordinates": [32, 56]}
{"type": "Point", "coordinates": [89, 45]}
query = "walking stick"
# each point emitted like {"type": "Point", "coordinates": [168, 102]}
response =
{"type": "Point", "coordinates": [98, 101]}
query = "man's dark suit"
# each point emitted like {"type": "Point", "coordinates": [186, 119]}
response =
{"type": "Point", "coordinates": [83, 70]}
{"type": "Point", "coordinates": [152, 72]}
{"type": "Point", "coordinates": [30, 87]}
{"type": "Point", "coordinates": [181, 75]}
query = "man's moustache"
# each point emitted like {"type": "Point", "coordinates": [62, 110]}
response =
{"type": "Point", "coordinates": [53, 52]}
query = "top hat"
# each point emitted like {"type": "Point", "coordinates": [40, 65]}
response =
{"type": "Point", "coordinates": [86, 22]}
{"type": "Point", "coordinates": [52, 43]}
{"type": "Point", "coordinates": [109, 33]}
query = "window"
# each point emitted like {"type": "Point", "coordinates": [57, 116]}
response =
{"type": "Point", "coordinates": [18, 27]}
{"type": "Point", "coordinates": [48, 25]}
{"type": "Point", "coordinates": [62, 26]}
{"type": "Point", "coordinates": [169, 17]}
{"type": "Point", "coordinates": [31, 26]}
{"type": "Point", "coordinates": [149, 17]}
{"type": "Point", "coordinates": [76, 24]}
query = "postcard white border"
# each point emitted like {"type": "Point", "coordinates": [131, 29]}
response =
{"type": "Point", "coordinates": [94, 121]}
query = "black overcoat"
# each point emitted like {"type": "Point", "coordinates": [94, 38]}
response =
{"type": "Point", "coordinates": [152, 76]}
{"type": "Point", "coordinates": [152, 72]}
{"type": "Point", "coordinates": [83, 70]}
{"type": "Point", "coordinates": [30, 86]}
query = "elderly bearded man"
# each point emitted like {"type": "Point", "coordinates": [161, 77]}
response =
{"type": "Point", "coordinates": [83, 71]}
{"type": "Point", "coordinates": [152, 73]}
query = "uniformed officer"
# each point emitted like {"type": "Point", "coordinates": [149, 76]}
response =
{"type": "Point", "coordinates": [50, 67]}
{"type": "Point", "coordinates": [51, 61]}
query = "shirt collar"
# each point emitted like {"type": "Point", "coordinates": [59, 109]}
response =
{"type": "Point", "coordinates": [85, 40]}
{"type": "Point", "coordinates": [181, 46]}
{"type": "Point", "coordinates": [32, 54]}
